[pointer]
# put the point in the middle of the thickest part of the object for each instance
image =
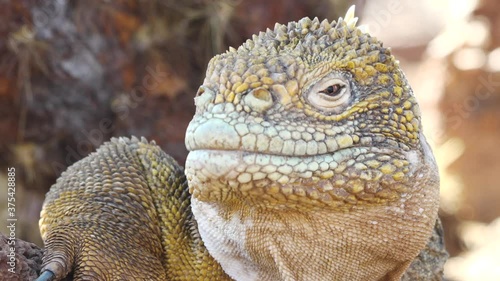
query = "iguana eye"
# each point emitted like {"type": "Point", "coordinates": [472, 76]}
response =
{"type": "Point", "coordinates": [329, 94]}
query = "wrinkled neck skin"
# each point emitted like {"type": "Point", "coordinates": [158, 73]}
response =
{"type": "Point", "coordinates": [284, 237]}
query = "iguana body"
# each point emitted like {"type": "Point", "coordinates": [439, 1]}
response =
{"type": "Point", "coordinates": [123, 213]}
{"type": "Point", "coordinates": [307, 162]}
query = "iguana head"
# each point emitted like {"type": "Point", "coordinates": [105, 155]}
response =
{"type": "Point", "coordinates": [307, 145]}
{"type": "Point", "coordinates": [310, 112]}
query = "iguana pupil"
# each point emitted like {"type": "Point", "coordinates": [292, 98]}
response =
{"type": "Point", "coordinates": [333, 90]}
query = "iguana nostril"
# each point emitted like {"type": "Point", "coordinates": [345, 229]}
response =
{"type": "Point", "coordinates": [200, 92]}
{"type": "Point", "coordinates": [259, 99]}
{"type": "Point", "coordinates": [203, 97]}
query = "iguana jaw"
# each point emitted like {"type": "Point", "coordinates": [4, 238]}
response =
{"type": "Point", "coordinates": [243, 210]}
{"type": "Point", "coordinates": [265, 230]}
{"type": "Point", "coordinates": [331, 180]}
{"type": "Point", "coordinates": [242, 160]}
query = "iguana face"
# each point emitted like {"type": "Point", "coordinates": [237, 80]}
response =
{"type": "Point", "coordinates": [312, 121]}
{"type": "Point", "coordinates": [298, 96]}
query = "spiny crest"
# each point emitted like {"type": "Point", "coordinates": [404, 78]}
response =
{"type": "Point", "coordinates": [306, 43]}
{"type": "Point", "coordinates": [309, 35]}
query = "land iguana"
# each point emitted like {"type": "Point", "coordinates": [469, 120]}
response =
{"type": "Point", "coordinates": [307, 162]}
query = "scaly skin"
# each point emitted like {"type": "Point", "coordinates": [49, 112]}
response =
{"type": "Point", "coordinates": [281, 173]}
{"type": "Point", "coordinates": [123, 213]}
{"type": "Point", "coordinates": [307, 162]}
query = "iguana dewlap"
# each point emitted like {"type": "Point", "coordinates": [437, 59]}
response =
{"type": "Point", "coordinates": [307, 162]}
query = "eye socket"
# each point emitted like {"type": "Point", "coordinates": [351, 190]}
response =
{"type": "Point", "coordinates": [329, 94]}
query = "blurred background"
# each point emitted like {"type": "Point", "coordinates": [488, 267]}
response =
{"type": "Point", "coordinates": [75, 73]}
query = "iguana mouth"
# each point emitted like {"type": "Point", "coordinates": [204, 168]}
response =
{"type": "Point", "coordinates": [354, 175]}
{"type": "Point", "coordinates": [217, 133]}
